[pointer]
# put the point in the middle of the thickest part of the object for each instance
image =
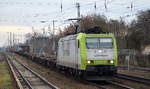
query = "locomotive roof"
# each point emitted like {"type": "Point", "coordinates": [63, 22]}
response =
{"type": "Point", "coordinates": [69, 37]}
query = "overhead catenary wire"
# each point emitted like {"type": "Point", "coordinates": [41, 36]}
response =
{"type": "Point", "coordinates": [63, 13]}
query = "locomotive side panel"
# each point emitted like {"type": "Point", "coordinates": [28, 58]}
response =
{"type": "Point", "coordinates": [68, 52]}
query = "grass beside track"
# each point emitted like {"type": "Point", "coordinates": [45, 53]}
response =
{"type": "Point", "coordinates": [5, 79]}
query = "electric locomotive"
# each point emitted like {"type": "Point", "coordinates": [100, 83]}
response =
{"type": "Point", "coordinates": [90, 56]}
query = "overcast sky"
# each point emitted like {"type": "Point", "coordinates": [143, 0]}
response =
{"type": "Point", "coordinates": [16, 14]}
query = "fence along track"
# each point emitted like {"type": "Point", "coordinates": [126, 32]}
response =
{"type": "Point", "coordinates": [31, 78]}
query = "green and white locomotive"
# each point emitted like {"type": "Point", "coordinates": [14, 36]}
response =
{"type": "Point", "coordinates": [92, 56]}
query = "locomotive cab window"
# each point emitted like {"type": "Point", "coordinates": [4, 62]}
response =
{"type": "Point", "coordinates": [97, 43]}
{"type": "Point", "coordinates": [92, 43]}
{"type": "Point", "coordinates": [106, 43]}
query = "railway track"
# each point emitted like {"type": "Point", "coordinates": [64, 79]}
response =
{"type": "Point", "coordinates": [106, 85]}
{"type": "Point", "coordinates": [102, 84]}
{"type": "Point", "coordinates": [117, 85]}
{"type": "Point", "coordinates": [28, 78]}
{"type": "Point", "coordinates": [133, 78]}
{"type": "Point", "coordinates": [135, 68]}
{"type": "Point", "coordinates": [120, 86]}
{"type": "Point", "coordinates": [110, 85]}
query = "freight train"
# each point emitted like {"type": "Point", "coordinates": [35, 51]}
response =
{"type": "Point", "coordinates": [88, 55]}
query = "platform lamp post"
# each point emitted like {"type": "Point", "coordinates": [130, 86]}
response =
{"type": "Point", "coordinates": [41, 51]}
{"type": "Point", "coordinates": [8, 39]}
{"type": "Point", "coordinates": [128, 61]}
{"type": "Point", "coordinates": [8, 45]}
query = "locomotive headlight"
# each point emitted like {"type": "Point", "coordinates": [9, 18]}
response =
{"type": "Point", "coordinates": [112, 61]}
{"type": "Point", "coordinates": [99, 51]}
{"type": "Point", "coordinates": [88, 62]}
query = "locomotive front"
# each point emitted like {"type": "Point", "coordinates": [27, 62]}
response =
{"type": "Point", "coordinates": [98, 54]}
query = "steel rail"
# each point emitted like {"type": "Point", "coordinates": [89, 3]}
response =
{"type": "Point", "coordinates": [136, 68]}
{"type": "Point", "coordinates": [134, 78]}
{"type": "Point", "coordinates": [18, 83]}
{"type": "Point", "coordinates": [120, 85]}
{"type": "Point", "coordinates": [34, 73]}
{"type": "Point", "coordinates": [24, 79]}
{"type": "Point", "coordinates": [106, 85]}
